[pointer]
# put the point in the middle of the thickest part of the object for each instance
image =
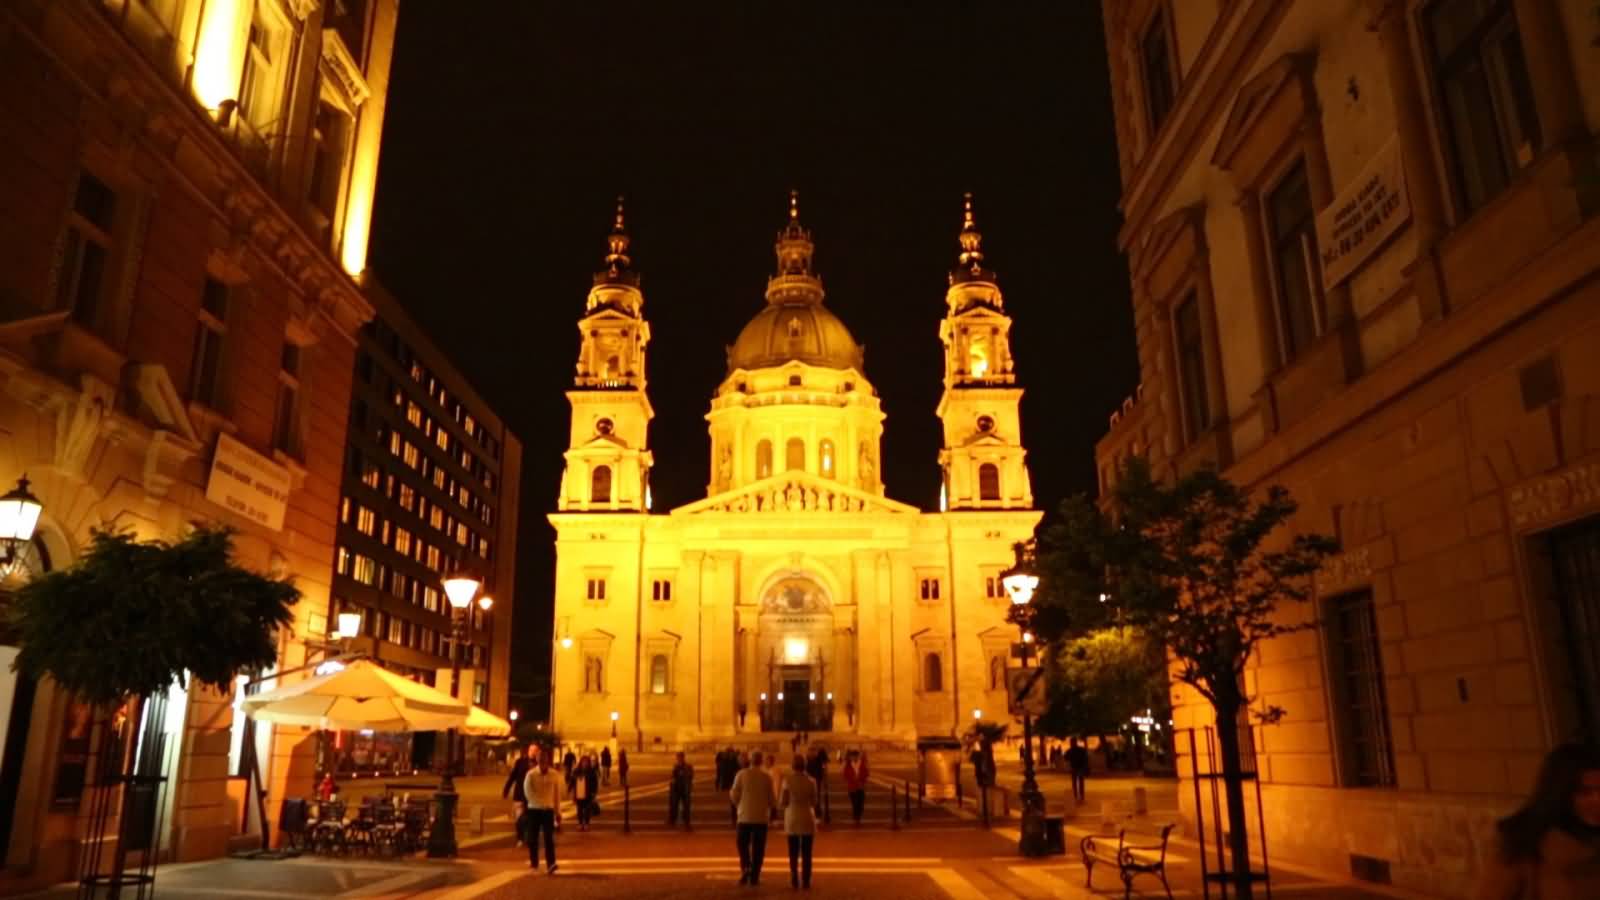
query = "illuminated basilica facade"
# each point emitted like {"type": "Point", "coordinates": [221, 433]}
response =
{"type": "Point", "coordinates": [795, 595]}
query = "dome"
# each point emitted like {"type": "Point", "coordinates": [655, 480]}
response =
{"type": "Point", "coordinates": [805, 332]}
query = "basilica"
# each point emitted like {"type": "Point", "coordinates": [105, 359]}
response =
{"type": "Point", "coordinates": [795, 596]}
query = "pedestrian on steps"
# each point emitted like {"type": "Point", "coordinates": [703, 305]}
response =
{"type": "Point", "coordinates": [1078, 764]}
{"type": "Point", "coordinates": [542, 787]}
{"type": "Point", "coordinates": [799, 803]}
{"type": "Point", "coordinates": [680, 785]}
{"type": "Point", "coordinates": [622, 767]}
{"type": "Point", "coordinates": [855, 782]}
{"type": "Point", "coordinates": [755, 798]}
{"type": "Point", "coordinates": [605, 765]}
{"type": "Point", "coordinates": [515, 789]}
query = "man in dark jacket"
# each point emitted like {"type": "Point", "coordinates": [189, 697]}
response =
{"type": "Point", "coordinates": [682, 782]}
{"type": "Point", "coordinates": [605, 765]}
{"type": "Point", "coordinates": [513, 788]}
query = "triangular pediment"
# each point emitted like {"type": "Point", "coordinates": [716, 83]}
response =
{"type": "Point", "coordinates": [797, 493]}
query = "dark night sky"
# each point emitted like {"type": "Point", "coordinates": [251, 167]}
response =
{"type": "Point", "coordinates": [511, 127]}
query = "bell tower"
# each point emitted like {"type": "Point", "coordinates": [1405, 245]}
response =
{"type": "Point", "coordinates": [608, 456]}
{"type": "Point", "coordinates": [982, 459]}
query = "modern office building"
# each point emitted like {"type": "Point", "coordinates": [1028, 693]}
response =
{"type": "Point", "coordinates": [1366, 266]}
{"type": "Point", "coordinates": [431, 481]}
{"type": "Point", "coordinates": [185, 188]}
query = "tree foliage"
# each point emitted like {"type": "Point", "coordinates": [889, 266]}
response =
{"type": "Point", "coordinates": [1102, 679]}
{"type": "Point", "coordinates": [1188, 565]}
{"type": "Point", "coordinates": [132, 617]}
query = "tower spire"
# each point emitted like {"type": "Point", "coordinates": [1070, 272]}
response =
{"type": "Point", "coordinates": [969, 264]}
{"type": "Point", "coordinates": [618, 263]}
{"type": "Point", "coordinates": [794, 250]}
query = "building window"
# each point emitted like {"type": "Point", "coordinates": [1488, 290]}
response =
{"type": "Point", "coordinates": [1361, 709]}
{"type": "Point", "coordinates": [596, 588]}
{"type": "Point", "coordinates": [1160, 75]}
{"type": "Point", "coordinates": [1575, 553]}
{"type": "Point", "coordinates": [209, 340]}
{"type": "Point", "coordinates": [430, 599]}
{"type": "Point", "coordinates": [992, 589]}
{"type": "Point", "coordinates": [661, 590]}
{"type": "Point", "coordinates": [764, 458]}
{"type": "Point", "coordinates": [408, 497]}
{"type": "Point", "coordinates": [86, 255]}
{"type": "Point", "coordinates": [1292, 231]}
{"type": "Point", "coordinates": [341, 561]}
{"type": "Point", "coordinates": [932, 673]}
{"type": "Point", "coordinates": [371, 475]}
{"type": "Point", "coordinates": [364, 569]}
{"type": "Point", "coordinates": [261, 80]}
{"type": "Point", "coordinates": [593, 675]}
{"type": "Point", "coordinates": [929, 588]}
{"type": "Point", "coordinates": [1191, 367]}
{"type": "Point", "coordinates": [329, 133]}
{"type": "Point", "coordinates": [658, 674]}
{"type": "Point", "coordinates": [997, 673]}
{"type": "Point", "coordinates": [600, 485]}
{"type": "Point", "coordinates": [988, 482]}
{"type": "Point", "coordinates": [286, 424]}
{"type": "Point", "coordinates": [366, 520]}
{"type": "Point", "coordinates": [1491, 127]}
{"type": "Point", "coordinates": [825, 462]}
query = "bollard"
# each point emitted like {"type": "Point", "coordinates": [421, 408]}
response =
{"type": "Point", "coordinates": [627, 808]}
{"type": "Point", "coordinates": [1005, 801]}
{"type": "Point", "coordinates": [1141, 802]}
{"type": "Point", "coordinates": [1108, 817]}
{"type": "Point", "coordinates": [477, 819]}
{"type": "Point", "coordinates": [983, 799]}
{"type": "Point", "coordinates": [894, 808]}
{"type": "Point", "coordinates": [908, 802]}
{"type": "Point", "coordinates": [959, 798]}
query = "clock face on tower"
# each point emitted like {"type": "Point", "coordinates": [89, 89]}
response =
{"type": "Point", "coordinates": [604, 426]}
{"type": "Point", "coordinates": [985, 424]}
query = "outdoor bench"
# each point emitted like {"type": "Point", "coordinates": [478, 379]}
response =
{"type": "Point", "coordinates": [1131, 860]}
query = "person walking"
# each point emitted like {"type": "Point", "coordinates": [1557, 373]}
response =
{"type": "Point", "coordinates": [1078, 764]}
{"type": "Point", "coordinates": [855, 782]}
{"type": "Point", "coordinates": [542, 788]}
{"type": "Point", "coordinates": [680, 784]}
{"type": "Point", "coordinates": [622, 767]}
{"type": "Point", "coordinates": [817, 768]}
{"type": "Point", "coordinates": [568, 764]}
{"type": "Point", "coordinates": [799, 803]}
{"type": "Point", "coordinates": [518, 793]}
{"type": "Point", "coordinates": [586, 785]}
{"type": "Point", "coordinates": [605, 765]}
{"type": "Point", "coordinates": [755, 799]}
{"type": "Point", "coordinates": [1550, 848]}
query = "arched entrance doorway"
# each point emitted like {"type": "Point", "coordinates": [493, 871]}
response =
{"type": "Point", "coordinates": [796, 663]}
{"type": "Point", "coordinates": [16, 690]}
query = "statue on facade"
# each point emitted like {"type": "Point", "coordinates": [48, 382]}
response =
{"type": "Point", "coordinates": [868, 468]}
{"type": "Point", "coordinates": [724, 468]}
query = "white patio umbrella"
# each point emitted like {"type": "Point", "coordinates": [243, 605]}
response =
{"type": "Point", "coordinates": [363, 695]}
{"type": "Point", "coordinates": [483, 723]}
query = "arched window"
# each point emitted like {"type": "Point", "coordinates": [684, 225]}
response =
{"type": "Point", "coordinates": [794, 455]}
{"type": "Point", "coordinates": [825, 459]}
{"type": "Point", "coordinates": [593, 675]}
{"type": "Point", "coordinates": [600, 485]}
{"type": "Point", "coordinates": [932, 673]}
{"type": "Point", "coordinates": [997, 673]}
{"type": "Point", "coordinates": [764, 458]}
{"type": "Point", "coordinates": [988, 482]}
{"type": "Point", "coordinates": [613, 367]}
{"type": "Point", "coordinates": [658, 674]}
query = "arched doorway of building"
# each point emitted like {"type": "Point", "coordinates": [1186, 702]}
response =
{"type": "Point", "coordinates": [17, 691]}
{"type": "Point", "coordinates": [796, 663]}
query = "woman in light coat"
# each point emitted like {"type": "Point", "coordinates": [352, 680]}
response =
{"type": "Point", "coordinates": [799, 804]}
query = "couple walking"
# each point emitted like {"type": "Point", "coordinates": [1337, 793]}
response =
{"type": "Point", "coordinates": [756, 800]}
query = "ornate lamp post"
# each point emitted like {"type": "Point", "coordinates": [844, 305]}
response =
{"type": "Point", "coordinates": [19, 516]}
{"type": "Point", "coordinates": [614, 717]}
{"type": "Point", "coordinates": [460, 588]}
{"type": "Point", "coordinates": [1020, 582]}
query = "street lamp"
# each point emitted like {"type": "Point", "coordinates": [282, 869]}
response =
{"type": "Point", "coordinates": [614, 717]}
{"type": "Point", "coordinates": [349, 625]}
{"type": "Point", "coordinates": [19, 516]}
{"type": "Point", "coordinates": [460, 588]}
{"type": "Point", "coordinates": [1020, 581]}
{"type": "Point", "coordinates": [514, 715]}
{"type": "Point", "coordinates": [977, 714]}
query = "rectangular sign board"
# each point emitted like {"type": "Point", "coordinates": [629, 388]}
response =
{"type": "Point", "coordinates": [1025, 691]}
{"type": "Point", "coordinates": [248, 484]}
{"type": "Point", "coordinates": [1368, 212]}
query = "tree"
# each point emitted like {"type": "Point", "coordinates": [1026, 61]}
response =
{"type": "Point", "coordinates": [1190, 566]}
{"type": "Point", "coordinates": [131, 617]}
{"type": "Point", "coordinates": [1101, 680]}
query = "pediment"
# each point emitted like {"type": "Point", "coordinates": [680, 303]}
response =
{"type": "Point", "coordinates": [157, 401]}
{"type": "Point", "coordinates": [985, 438]}
{"type": "Point", "coordinates": [1255, 98]}
{"type": "Point", "coordinates": [796, 493]}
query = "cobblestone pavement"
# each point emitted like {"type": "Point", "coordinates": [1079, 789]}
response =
{"type": "Point", "coordinates": [941, 852]}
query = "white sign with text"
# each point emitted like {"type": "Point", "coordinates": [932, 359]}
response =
{"type": "Point", "coordinates": [1365, 215]}
{"type": "Point", "coordinates": [248, 484]}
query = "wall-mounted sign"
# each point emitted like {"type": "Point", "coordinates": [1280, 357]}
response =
{"type": "Point", "coordinates": [248, 484]}
{"type": "Point", "coordinates": [1365, 215]}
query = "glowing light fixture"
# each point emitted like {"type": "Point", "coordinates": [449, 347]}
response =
{"type": "Point", "coordinates": [329, 667]}
{"type": "Point", "coordinates": [763, 696]}
{"type": "Point", "coordinates": [19, 515]}
{"type": "Point", "coordinates": [1020, 581]}
{"type": "Point", "coordinates": [460, 588]}
{"type": "Point", "coordinates": [217, 60]}
{"type": "Point", "coordinates": [977, 714]}
{"type": "Point", "coordinates": [796, 650]}
{"type": "Point", "coordinates": [349, 625]}
{"type": "Point", "coordinates": [485, 602]}
{"type": "Point", "coordinates": [566, 642]}
{"type": "Point", "coordinates": [780, 695]}
{"type": "Point", "coordinates": [615, 715]}
{"type": "Point", "coordinates": [514, 715]}
{"type": "Point", "coordinates": [830, 696]}
{"type": "Point", "coordinates": [813, 695]}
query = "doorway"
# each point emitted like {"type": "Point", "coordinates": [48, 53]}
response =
{"type": "Point", "coordinates": [796, 704]}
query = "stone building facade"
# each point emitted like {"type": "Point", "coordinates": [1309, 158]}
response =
{"type": "Point", "coordinates": [184, 194]}
{"type": "Point", "coordinates": [796, 595]}
{"type": "Point", "coordinates": [1366, 266]}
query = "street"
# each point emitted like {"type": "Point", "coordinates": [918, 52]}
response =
{"type": "Point", "coordinates": [940, 851]}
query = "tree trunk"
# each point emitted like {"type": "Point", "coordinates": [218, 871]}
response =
{"type": "Point", "coordinates": [1228, 704]}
